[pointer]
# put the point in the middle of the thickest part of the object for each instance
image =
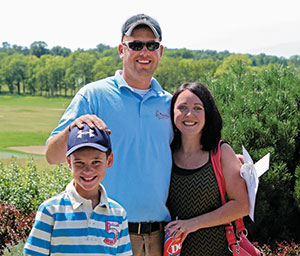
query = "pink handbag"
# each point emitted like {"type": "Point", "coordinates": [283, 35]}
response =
{"type": "Point", "coordinates": [241, 246]}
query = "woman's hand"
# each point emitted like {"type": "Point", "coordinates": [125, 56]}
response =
{"type": "Point", "coordinates": [183, 227]}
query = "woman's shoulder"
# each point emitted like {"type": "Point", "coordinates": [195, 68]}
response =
{"type": "Point", "coordinates": [226, 149]}
{"type": "Point", "coordinates": [229, 160]}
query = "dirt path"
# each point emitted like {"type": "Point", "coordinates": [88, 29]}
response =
{"type": "Point", "coordinates": [31, 149]}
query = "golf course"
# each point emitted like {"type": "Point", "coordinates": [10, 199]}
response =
{"type": "Point", "coordinates": [26, 122]}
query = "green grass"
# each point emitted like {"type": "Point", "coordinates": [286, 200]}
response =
{"type": "Point", "coordinates": [28, 120]}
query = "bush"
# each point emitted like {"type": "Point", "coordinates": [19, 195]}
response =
{"type": "Point", "coordinates": [22, 190]}
{"type": "Point", "coordinates": [260, 109]}
{"type": "Point", "coordinates": [26, 187]}
{"type": "Point", "coordinates": [282, 249]}
{"type": "Point", "coordinates": [14, 225]}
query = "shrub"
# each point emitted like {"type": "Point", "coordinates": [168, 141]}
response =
{"type": "Point", "coordinates": [22, 190]}
{"type": "Point", "coordinates": [14, 225]}
{"type": "Point", "coordinates": [260, 109]}
{"type": "Point", "coordinates": [26, 187]}
{"type": "Point", "coordinates": [282, 249]}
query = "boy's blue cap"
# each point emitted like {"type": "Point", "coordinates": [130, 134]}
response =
{"type": "Point", "coordinates": [88, 137]}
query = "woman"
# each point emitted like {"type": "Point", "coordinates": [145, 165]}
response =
{"type": "Point", "coordinates": [194, 197]}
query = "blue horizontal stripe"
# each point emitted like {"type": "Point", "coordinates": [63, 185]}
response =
{"type": "Point", "coordinates": [63, 216]}
{"type": "Point", "coordinates": [43, 226]}
{"type": "Point", "coordinates": [102, 217]}
{"type": "Point", "coordinates": [65, 202]}
{"type": "Point", "coordinates": [124, 248]}
{"type": "Point", "coordinates": [125, 232]}
{"type": "Point", "coordinates": [34, 253]}
{"type": "Point", "coordinates": [71, 232]}
{"type": "Point", "coordinates": [83, 249]}
{"type": "Point", "coordinates": [98, 232]}
{"type": "Point", "coordinates": [38, 242]}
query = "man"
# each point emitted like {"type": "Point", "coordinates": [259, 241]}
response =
{"type": "Point", "coordinates": [136, 110]}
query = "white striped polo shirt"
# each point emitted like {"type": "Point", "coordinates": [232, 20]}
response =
{"type": "Point", "coordinates": [67, 225]}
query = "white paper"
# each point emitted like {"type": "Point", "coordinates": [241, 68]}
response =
{"type": "Point", "coordinates": [250, 173]}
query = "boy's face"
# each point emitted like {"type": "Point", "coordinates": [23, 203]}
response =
{"type": "Point", "coordinates": [89, 167]}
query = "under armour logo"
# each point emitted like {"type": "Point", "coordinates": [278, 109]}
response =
{"type": "Point", "coordinates": [90, 132]}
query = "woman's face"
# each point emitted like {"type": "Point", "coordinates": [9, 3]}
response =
{"type": "Point", "coordinates": [189, 113]}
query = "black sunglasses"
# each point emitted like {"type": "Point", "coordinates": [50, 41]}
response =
{"type": "Point", "coordinates": [136, 45]}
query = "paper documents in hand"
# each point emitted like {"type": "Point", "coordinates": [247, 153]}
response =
{"type": "Point", "coordinates": [250, 173]}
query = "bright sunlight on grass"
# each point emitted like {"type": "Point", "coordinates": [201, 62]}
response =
{"type": "Point", "coordinates": [28, 121]}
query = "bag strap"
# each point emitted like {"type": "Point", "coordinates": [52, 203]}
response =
{"type": "Point", "coordinates": [216, 162]}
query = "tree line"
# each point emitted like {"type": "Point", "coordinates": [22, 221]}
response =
{"type": "Point", "coordinates": [60, 72]}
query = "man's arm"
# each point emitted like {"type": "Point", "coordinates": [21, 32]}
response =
{"type": "Point", "coordinates": [56, 148]}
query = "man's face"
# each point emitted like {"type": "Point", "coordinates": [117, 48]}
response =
{"type": "Point", "coordinates": [139, 65]}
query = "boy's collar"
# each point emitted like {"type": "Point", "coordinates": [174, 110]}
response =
{"type": "Point", "coordinates": [77, 200]}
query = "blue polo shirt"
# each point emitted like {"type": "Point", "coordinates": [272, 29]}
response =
{"type": "Point", "coordinates": [141, 134]}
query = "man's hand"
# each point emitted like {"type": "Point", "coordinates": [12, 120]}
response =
{"type": "Point", "coordinates": [91, 121]}
{"type": "Point", "coordinates": [56, 148]}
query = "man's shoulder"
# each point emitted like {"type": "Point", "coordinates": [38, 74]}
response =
{"type": "Point", "coordinates": [158, 88]}
{"type": "Point", "coordinates": [101, 84]}
{"type": "Point", "coordinates": [168, 95]}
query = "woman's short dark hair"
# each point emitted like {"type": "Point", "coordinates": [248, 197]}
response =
{"type": "Point", "coordinates": [211, 133]}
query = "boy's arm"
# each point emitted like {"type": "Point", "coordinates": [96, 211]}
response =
{"type": "Point", "coordinates": [38, 242]}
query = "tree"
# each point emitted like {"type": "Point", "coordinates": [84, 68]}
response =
{"type": "Point", "coordinates": [13, 72]}
{"type": "Point", "coordinates": [42, 75]}
{"type": "Point", "coordinates": [105, 67]}
{"type": "Point", "coordinates": [294, 60]}
{"type": "Point", "coordinates": [102, 47]}
{"type": "Point", "coordinates": [60, 51]}
{"type": "Point", "coordinates": [56, 74]}
{"type": "Point", "coordinates": [33, 63]}
{"type": "Point", "coordinates": [236, 63]}
{"type": "Point", "coordinates": [5, 46]}
{"type": "Point", "coordinates": [79, 69]}
{"type": "Point", "coordinates": [39, 48]}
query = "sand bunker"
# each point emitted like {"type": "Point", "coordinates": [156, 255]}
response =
{"type": "Point", "coordinates": [31, 149]}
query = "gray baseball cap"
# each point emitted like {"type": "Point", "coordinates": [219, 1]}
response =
{"type": "Point", "coordinates": [141, 19]}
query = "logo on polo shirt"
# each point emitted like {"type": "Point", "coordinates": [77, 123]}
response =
{"type": "Point", "coordinates": [160, 115]}
{"type": "Point", "coordinates": [90, 132]}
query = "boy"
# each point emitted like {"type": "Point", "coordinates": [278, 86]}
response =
{"type": "Point", "coordinates": [82, 220]}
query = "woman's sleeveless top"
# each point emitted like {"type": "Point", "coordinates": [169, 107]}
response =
{"type": "Point", "coordinates": [193, 193]}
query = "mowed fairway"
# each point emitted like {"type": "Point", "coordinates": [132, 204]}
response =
{"type": "Point", "coordinates": [27, 121]}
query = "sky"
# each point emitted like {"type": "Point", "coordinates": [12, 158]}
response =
{"type": "Point", "coordinates": [239, 26]}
